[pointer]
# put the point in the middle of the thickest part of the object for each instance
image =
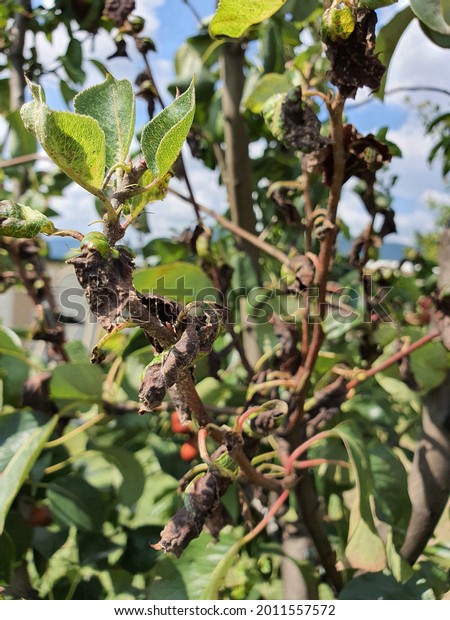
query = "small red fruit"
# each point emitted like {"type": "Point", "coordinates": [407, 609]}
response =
{"type": "Point", "coordinates": [188, 450]}
{"type": "Point", "coordinates": [177, 426]}
{"type": "Point", "coordinates": [40, 516]}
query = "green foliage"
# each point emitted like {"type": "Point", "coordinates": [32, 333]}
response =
{"type": "Point", "coordinates": [23, 437]}
{"type": "Point", "coordinates": [76, 143]}
{"type": "Point", "coordinates": [163, 137]}
{"type": "Point", "coordinates": [17, 220]}
{"type": "Point", "coordinates": [233, 18]}
{"type": "Point", "coordinates": [112, 104]}
{"type": "Point", "coordinates": [87, 484]}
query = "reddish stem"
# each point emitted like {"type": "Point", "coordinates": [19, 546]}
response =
{"type": "Point", "coordinates": [365, 374]}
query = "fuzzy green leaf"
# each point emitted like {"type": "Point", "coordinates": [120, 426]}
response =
{"type": "Point", "coordinates": [233, 17]}
{"type": "Point", "coordinates": [163, 137]}
{"type": "Point", "coordinates": [112, 104]}
{"type": "Point", "coordinates": [19, 221]}
{"type": "Point", "coordinates": [433, 13]}
{"type": "Point", "coordinates": [74, 142]}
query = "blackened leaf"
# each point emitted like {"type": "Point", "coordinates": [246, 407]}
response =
{"type": "Point", "coordinates": [353, 63]}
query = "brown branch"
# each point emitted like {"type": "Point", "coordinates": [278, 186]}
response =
{"type": "Point", "coordinates": [237, 160]}
{"type": "Point", "coordinates": [310, 510]}
{"type": "Point", "coordinates": [335, 109]}
{"type": "Point", "coordinates": [22, 159]}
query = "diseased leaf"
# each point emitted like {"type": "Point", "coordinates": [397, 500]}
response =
{"type": "Point", "coordinates": [387, 41]}
{"type": "Point", "coordinates": [76, 143]}
{"type": "Point", "coordinates": [112, 104]}
{"type": "Point", "coordinates": [19, 221]}
{"type": "Point", "coordinates": [433, 14]}
{"type": "Point", "coordinates": [163, 137]}
{"type": "Point", "coordinates": [233, 17]}
{"type": "Point", "coordinates": [27, 442]}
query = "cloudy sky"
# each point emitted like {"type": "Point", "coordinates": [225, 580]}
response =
{"type": "Point", "coordinates": [417, 62]}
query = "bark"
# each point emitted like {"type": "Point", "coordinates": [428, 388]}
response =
{"type": "Point", "coordinates": [429, 479]}
{"type": "Point", "coordinates": [238, 178]}
{"type": "Point", "coordinates": [237, 161]}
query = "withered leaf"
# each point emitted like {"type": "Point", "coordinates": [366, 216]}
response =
{"type": "Point", "coordinates": [353, 63]}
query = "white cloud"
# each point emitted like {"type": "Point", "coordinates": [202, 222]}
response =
{"type": "Point", "coordinates": [417, 62]}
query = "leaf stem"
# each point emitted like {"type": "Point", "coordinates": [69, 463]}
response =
{"type": "Point", "coordinates": [75, 432]}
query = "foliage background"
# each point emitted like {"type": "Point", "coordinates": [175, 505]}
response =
{"type": "Point", "coordinates": [94, 485]}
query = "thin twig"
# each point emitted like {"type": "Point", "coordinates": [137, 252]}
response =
{"type": "Point", "coordinates": [237, 230]}
{"type": "Point", "coordinates": [362, 375]}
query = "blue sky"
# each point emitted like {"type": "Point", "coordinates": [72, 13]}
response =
{"type": "Point", "coordinates": [416, 62]}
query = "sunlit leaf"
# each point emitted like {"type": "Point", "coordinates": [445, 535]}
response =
{"type": "Point", "coordinates": [19, 221]}
{"type": "Point", "coordinates": [181, 281]}
{"type": "Point", "coordinates": [234, 17]}
{"type": "Point", "coordinates": [76, 143]}
{"type": "Point", "coordinates": [112, 104]}
{"type": "Point", "coordinates": [267, 86]}
{"type": "Point", "coordinates": [163, 137]}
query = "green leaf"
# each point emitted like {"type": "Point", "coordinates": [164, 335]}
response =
{"type": "Point", "coordinates": [429, 365]}
{"type": "Point", "coordinates": [112, 104]}
{"type": "Point", "coordinates": [21, 142]}
{"type": "Point", "coordinates": [163, 137]}
{"type": "Point", "coordinates": [387, 40]}
{"type": "Point", "coordinates": [374, 4]}
{"type": "Point", "coordinates": [365, 549]}
{"type": "Point", "coordinates": [184, 282]}
{"type": "Point", "coordinates": [27, 440]}
{"type": "Point", "coordinates": [74, 502]}
{"type": "Point", "coordinates": [377, 586]}
{"type": "Point", "coordinates": [442, 40]}
{"type": "Point", "coordinates": [267, 86]}
{"type": "Point", "coordinates": [433, 13]}
{"type": "Point", "coordinates": [390, 483]}
{"type": "Point", "coordinates": [14, 367]}
{"type": "Point", "coordinates": [77, 381]}
{"type": "Point", "coordinates": [74, 142]}
{"type": "Point", "coordinates": [338, 23]}
{"type": "Point", "coordinates": [189, 577]}
{"type": "Point", "coordinates": [157, 192]}
{"type": "Point", "coordinates": [7, 558]}
{"type": "Point", "coordinates": [19, 221]}
{"type": "Point", "coordinates": [72, 62]}
{"type": "Point", "coordinates": [131, 471]}
{"type": "Point", "coordinates": [234, 17]}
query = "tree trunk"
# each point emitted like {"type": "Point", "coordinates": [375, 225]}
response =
{"type": "Point", "coordinates": [429, 479]}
